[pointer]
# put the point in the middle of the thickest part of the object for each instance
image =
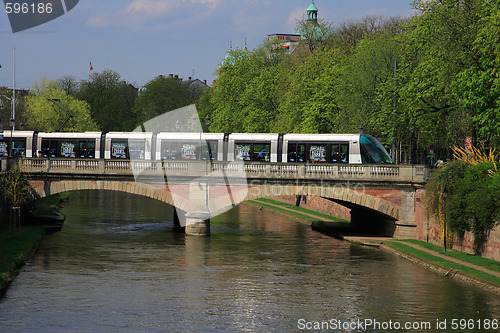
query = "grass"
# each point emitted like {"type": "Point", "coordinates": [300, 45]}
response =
{"type": "Point", "coordinates": [286, 211]}
{"type": "Point", "coordinates": [443, 262]}
{"type": "Point", "coordinates": [470, 258]}
{"type": "Point", "coordinates": [49, 205]}
{"type": "Point", "coordinates": [301, 210]}
{"type": "Point", "coordinates": [16, 249]}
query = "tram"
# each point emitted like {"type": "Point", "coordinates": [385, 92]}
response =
{"type": "Point", "coordinates": [170, 146]}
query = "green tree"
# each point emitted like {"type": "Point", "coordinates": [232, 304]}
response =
{"type": "Point", "coordinates": [311, 102]}
{"type": "Point", "coordinates": [437, 47]}
{"type": "Point", "coordinates": [111, 100]}
{"type": "Point", "coordinates": [479, 85]}
{"type": "Point", "coordinates": [161, 95]}
{"type": "Point", "coordinates": [68, 84]}
{"type": "Point", "coordinates": [245, 97]}
{"type": "Point", "coordinates": [50, 109]}
{"type": "Point", "coordinates": [14, 187]}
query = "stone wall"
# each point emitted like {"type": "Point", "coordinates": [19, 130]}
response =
{"type": "Point", "coordinates": [490, 249]}
{"type": "Point", "coordinates": [429, 230]}
{"type": "Point", "coordinates": [318, 204]}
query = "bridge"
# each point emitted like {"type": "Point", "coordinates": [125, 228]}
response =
{"type": "Point", "coordinates": [382, 198]}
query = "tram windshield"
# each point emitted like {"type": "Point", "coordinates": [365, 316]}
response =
{"type": "Point", "coordinates": [372, 151]}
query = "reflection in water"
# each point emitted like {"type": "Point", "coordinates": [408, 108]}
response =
{"type": "Point", "coordinates": [118, 266]}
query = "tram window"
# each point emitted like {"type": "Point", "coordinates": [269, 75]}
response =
{"type": "Point", "coordinates": [296, 152]}
{"type": "Point", "coordinates": [188, 151]}
{"type": "Point", "coordinates": [119, 149]}
{"type": "Point", "coordinates": [86, 149]}
{"type": "Point", "coordinates": [317, 153]}
{"type": "Point", "coordinates": [242, 151]}
{"type": "Point", "coordinates": [292, 152]}
{"type": "Point", "coordinates": [49, 148]}
{"type": "Point", "coordinates": [4, 148]}
{"type": "Point", "coordinates": [301, 152]}
{"type": "Point", "coordinates": [208, 150]}
{"type": "Point", "coordinates": [170, 150]}
{"type": "Point", "coordinates": [137, 149]}
{"type": "Point", "coordinates": [19, 148]}
{"type": "Point", "coordinates": [335, 153]}
{"type": "Point", "coordinates": [261, 152]}
{"type": "Point", "coordinates": [372, 151]}
{"type": "Point", "coordinates": [67, 149]}
{"type": "Point", "coordinates": [344, 153]}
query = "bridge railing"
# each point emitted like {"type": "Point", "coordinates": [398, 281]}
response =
{"type": "Point", "coordinates": [252, 170]}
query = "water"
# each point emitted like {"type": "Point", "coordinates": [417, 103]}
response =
{"type": "Point", "coordinates": [118, 266]}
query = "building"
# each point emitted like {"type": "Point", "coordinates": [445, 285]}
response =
{"type": "Point", "coordinates": [290, 41]}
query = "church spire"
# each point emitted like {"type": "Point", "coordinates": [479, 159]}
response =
{"type": "Point", "coordinates": [312, 12]}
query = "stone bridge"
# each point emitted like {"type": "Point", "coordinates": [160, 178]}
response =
{"type": "Point", "coordinates": [382, 198]}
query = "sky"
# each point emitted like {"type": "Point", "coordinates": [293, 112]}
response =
{"type": "Point", "coordinates": [141, 39]}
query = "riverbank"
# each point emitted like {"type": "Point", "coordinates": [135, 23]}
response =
{"type": "Point", "coordinates": [16, 250]}
{"type": "Point", "coordinates": [474, 270]}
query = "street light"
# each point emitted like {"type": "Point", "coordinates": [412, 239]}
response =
{"type": "Point", "coordinates": [12, 122]}
{"type": "Point", "coordinates": [445, 195]}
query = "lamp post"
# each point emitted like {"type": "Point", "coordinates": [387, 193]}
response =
{"type": "Point", "coordinates": [207, 121]}
{"type": "Point", "coordinates": [12, 122]}
{"type": "Point", "coordinates": [445, 195]}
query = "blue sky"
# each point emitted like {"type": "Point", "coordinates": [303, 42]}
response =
{"type": "Point", "coordinates": [141, 39]}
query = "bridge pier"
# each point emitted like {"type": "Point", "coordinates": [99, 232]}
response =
{"type": "Point", "coordinates": [177, 222]}
{"type": "Point", "coordinates": [197, 224]}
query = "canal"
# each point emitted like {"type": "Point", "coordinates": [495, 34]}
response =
{"type": "Point", "coordinates": [117, 265]}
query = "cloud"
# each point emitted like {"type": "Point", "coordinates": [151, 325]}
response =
{"type": "Point", "coordinates": [150, 7]}
{"type": "Point", "coordinates": [137, 12]}
{"type": "Point", "coordinates": [99, 21]}
{"type": "Point", "coordinates": [154, 8]}
{"type": "Point", "coordinates": [295, 16]}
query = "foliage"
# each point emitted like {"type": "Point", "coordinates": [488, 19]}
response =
{"type": "Point", "coordinates": [245, 97]}
{"type": "Point", "coordinates": [428, 80]}
{"type": "Point", "coordinates": [161, 95]}
{"type": "Point", "coordinates": [50, 109]}
{"type": "Point", "coordinates": [473, 197]}
{"type": "Point", "coordinates": [14, 187]}
{"type": "Point", "coordinates": [478, 86]}
{"type": "Point", "coordinates": [111, 100]}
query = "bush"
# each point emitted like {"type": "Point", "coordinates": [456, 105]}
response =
{"type": "Point", "coordinates": [474, 204]}
{"type": "Point", "coordinates": [473, 201]}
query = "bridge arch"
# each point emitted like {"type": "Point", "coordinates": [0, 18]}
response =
{"type": "Point", "coordinates": [341, 194]}
{"type": "Point", "coordinates": [44, 188]}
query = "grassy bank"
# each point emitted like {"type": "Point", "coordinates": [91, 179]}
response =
{"type": "Point", "coordinates": [50, 205]}
{"type": "Point", "coordinates": [296, 211]}
{"type": "Point", "coordinates": [15, 250]}
{"type": "Point", "coordinates": [452, 269]}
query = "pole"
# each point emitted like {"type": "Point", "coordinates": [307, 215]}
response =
{"type": "Point", "coordinates": [14, 92]}
{"type": "Point", "coordinates": [394, 155]}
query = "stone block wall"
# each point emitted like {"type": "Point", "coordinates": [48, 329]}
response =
{"type": "Point", "coordinates": [318, 204]}
{"type": "Point", "coordinates": [429, 230]}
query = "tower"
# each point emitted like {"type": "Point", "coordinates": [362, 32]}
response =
{"type": "Point", "coordinates": [312, 12]}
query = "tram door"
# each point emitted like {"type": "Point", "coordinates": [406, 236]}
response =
{"type": "Point", "coordinates": [86, 149]}
{"type": "Point", "coordinates": [339, 153]}
{"type": "Point", "coordinates": [49, 148]}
